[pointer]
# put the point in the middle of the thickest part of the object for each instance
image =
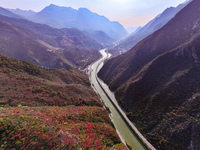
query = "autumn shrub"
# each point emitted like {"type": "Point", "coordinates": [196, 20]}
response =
{"type": "Point", "coordinates": [56, 128]}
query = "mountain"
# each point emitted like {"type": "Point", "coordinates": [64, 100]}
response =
{"type": "Point", "coordinates": [101, 37]}
{"type": "Point", "coordinates": [152, 26]}
{"type": "Point", "coordinates": [50, 109]}
{"type": "Point", "coordinates": [43, 108]}
{"type": "Point", "coordinates": [17, 44]}
{"type": "Point", "coordinates": [157, 82]}
{"type": "Point", "coordinates": [49, 31]}
{"type": "Point", "coordinates": [24, 78]}
{"type": "Point", "coordinates": [7, 13]}
{"type": "Point", "coordinates": [82, 19]}
{"type": "Point", "coordinates": [46, 46]}
{"type": "Point", "coordinates": [23, 13]}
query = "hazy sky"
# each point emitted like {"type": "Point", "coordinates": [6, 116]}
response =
{"type": "Point", "coordinates": [127, 12]}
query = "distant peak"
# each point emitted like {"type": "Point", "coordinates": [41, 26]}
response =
{"type": "Point", "coordinates": [52, 5]}
{"type": "Point", "coordinates": [84, 9]}
{"type": "Point", "coordinates": [169, 8]}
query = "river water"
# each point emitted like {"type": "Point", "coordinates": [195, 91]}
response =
{"type": "Point", "coordinates": [123, 129]}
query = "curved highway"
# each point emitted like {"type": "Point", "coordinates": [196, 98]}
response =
{"type": "Point", "coordinates": [126, 130]}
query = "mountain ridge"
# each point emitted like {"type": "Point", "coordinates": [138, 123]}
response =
{"type": "Point", "coordinates": [49, 41]}
{"type": "Point", "coordinates": [152, 26]}
{"type": "Point", "coordinates": [7, 13]}
{"type": "Point", "coordinates": [157, 82]}
{"type": "Point", "coordinates": [73, 18]}
{"type": "Point", "coordinates": [23, 13]}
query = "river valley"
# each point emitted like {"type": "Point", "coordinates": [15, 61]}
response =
{"type": "Point", "coordinates": [123, 128]}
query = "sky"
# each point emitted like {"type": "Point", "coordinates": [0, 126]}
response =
{"type": "Point", "coordinates": [127, 12]}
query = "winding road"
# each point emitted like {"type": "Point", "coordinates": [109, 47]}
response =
{"type": "Point", "coordinates": [126, 130]}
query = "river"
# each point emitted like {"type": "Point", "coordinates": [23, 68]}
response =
{"type": "Point", "coordinates": [123, 128]}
